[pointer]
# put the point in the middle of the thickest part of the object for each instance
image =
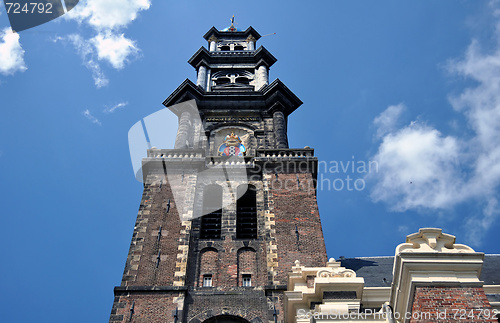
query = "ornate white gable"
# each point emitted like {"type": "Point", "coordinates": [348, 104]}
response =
{"type": "Point", "coordinates": [432, 240]}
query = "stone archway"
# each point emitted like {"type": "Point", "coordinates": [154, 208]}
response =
{"type": "Point", "coordinates": [226, 319]}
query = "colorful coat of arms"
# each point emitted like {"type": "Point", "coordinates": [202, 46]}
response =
{"type": "Point", "coordinates": [232, 146]}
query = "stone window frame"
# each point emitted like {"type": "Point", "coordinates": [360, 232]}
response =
{"type": "Point", "coordinates": [207, 280]}
{"type": "Point", "coordinates": [246, 280]}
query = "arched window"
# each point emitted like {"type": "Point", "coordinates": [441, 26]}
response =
{"type": "Point", "coordinates": [247, 267]}
{"type": "Point", "coordinates": [226, 319]}
{"type": "Point", "coordinates": [246, 213]}
{"type": "Point", "coordinates": [208, 267]}
{"type": "Point", "coordinates": [212, 209]}
{"type": "Point", "coordinates": [238, 47]}
{"type": "Point", "coordinates": [225, 47]}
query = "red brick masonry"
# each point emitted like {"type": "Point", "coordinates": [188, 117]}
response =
{"type": "Point", "coordinates": [451, 304]}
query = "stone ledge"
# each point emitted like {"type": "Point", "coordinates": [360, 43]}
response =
{"type": "Point", "coordinates": [119, 289]}
{"type": "Point", "coordinates": [275, 287]}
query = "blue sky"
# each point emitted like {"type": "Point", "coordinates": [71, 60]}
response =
{"type": "Point", "coordinates": [411, 85]}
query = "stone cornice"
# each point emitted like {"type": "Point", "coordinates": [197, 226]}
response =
{"type": "Point", "coordinates": [275, 96]}
{"type": "Point", "coordinates": [214, 32]}
{"type": "Point", "coordinates": [258, 57]}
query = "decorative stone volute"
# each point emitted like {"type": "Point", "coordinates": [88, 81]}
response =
{"type": "Point", "coordinates": [432, 240]}
{"type": "Point", "coordinates": [311, 284]}
{"type": "Point", "coordinates": [341, 272]}
{"type": "Point", "coordinates": [431, 258]}
{"type": "Point", "coordinates": [332, 270]}
{"type": "Point", "coordinates": [332, 263]}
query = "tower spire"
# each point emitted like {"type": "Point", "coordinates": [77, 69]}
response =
{"type": "Point", "coordinates": [220, 250]}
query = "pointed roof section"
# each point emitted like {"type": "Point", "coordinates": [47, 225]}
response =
{"type": "Point", "coordinates": [259, 57]}
{"type": "Point", "coordinates": [275, 96]}
{"type": "Point", "coordinates": [219, 34]}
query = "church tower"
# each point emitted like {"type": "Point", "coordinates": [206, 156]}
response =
{"type": "Point", "coordinates": [225, 214]}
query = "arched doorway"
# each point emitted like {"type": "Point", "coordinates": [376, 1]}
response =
{"type": "Point", "coordinates": [226, 319]}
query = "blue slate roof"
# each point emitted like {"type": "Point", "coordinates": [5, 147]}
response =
{"type": "Point", "coordinates": [372, 269]}
{"type": "Point", "coordinates": [377, 271]}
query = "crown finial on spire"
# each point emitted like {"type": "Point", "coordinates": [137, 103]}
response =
{"type": "Point", "coordinates": [232, 27]}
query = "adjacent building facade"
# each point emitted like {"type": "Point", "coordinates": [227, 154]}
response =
{"type": "Point", "coordinates": [228, 228]}
{"type": "Point", "coordinates": [430, 279]}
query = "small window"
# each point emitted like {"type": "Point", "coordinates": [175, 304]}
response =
{"type": "Point", "coordinates": [222, 80]}
{"type": "Point", "coordinates": [225, 47]}
{"type": "Point", "coordinates": [247, 281]}
{"type": "Point", "coordinates": [242, 80]}
{"type": "Point", "coordinates": [207, 280]}
{"type": "Point", "coordinates": [238, 47]}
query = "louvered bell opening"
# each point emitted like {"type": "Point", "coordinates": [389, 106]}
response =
{"type": "Point", "coordinates": [246, 215]}
{"type": "Point", "coordinates": [212, 206]}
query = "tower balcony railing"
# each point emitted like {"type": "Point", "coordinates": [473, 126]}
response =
{"type": "Point", "coordinates": [176, 153]}
{"type": "Point", "coordinates": [247, 161]}
{"type": "Point", "coordinates": [260, 154]}
{"type": "Point", "coordinates": [199, 154]}
{"type": "Point", "coordinates": [232, 53]}
{"type": "Point", "coordinates": [285, 153]}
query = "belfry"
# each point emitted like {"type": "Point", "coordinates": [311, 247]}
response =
{"type": "Point", "coordinates": [227, 212]}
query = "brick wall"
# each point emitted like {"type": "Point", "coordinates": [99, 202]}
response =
{"type": "Point", "coordinates": [145, 245]}
{"type": "Point", "coordinates": [280, 210]}
{"type": "Point", "coordinates": [249, 304]}
{"type": "Point", "coordinates": [295, 209]}
{"type": "Point", "coordinates": [148, 307]}
{"type": "Point", "coordinates": [451, 304]}
{"type": "Point", "coordinates": [141, 268]}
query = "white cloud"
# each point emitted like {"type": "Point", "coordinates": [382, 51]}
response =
{"type": "Point", "coordinates": [444, 170]}
{"type": "Point", "coordinates": [108, 14]}
{"type": "Point", "coordinates": [11, 53]}
{"type": "Point", "coordinates": [114, 48]}
{"type": "Point", "coordinates": [87, 53]}
{"type": "Point", "coordinates": [387, 120]}
{"type": "Point", "coordinates": [417, 168]}
{"type": "Point", "coordinates": [107, 18]}
{"type": "Point", "coordinates": [480, 223]}
{"type": "Point", "coordinates": [92, 119]}
{"type": "Point", "coordinates": [115, 107]}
